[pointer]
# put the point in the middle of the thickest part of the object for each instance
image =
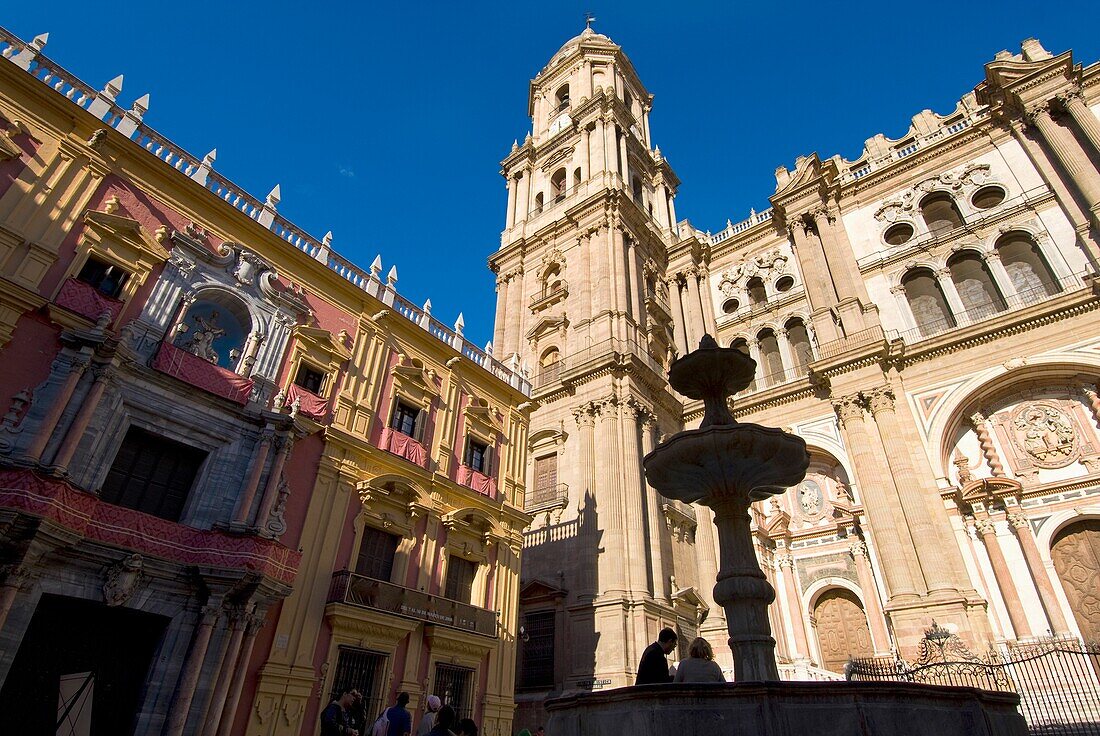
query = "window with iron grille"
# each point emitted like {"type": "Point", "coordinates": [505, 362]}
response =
{"type": "Point", "coordinates": [362, 670]}
{"type": "Point", "coordinates": [376, 554]}
{"type": "Point", "coordinates": [454, 686]}
{"type": "Point", "coordinates": [310, 378]}
{"type": "Point", "coordinates": [405, 419]}
{"type": "Point", "coordinates": [106, 278]}
{"type": "Point", "coordinates": [538, 650]}
{"type": "Point", "coordinates": [460, 579]}
{"type": "Point", "coordinates": [152, 474]}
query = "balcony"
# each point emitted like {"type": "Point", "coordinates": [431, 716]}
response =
{"type": "Point", "coordinates": [358, 590]}
{"type": "Point", "coordinates": [549, 297]}
{"type": "Point", "coordinates": [611, 351]}
{"type": "Point", "coordinates": [545, 498]}
{"type": "Point", "coordinates": [202, 374]}
{"type": "Point", "coordinates": [477, 481]}
{"type": "Point", "coordinates": [549, 374]}
{"type": "Point", "coordinates": [307, 402]}
{"type": "Point", "coordinates": [404, 447]}
{"type": "Point", "coordinates": [86, 300]}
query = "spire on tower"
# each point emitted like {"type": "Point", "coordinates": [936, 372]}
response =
{"type": "Point", "coordinates": [589, 19]}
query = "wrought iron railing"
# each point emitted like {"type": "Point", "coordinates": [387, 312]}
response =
{"type": "Point", "coordinates": [360, 590]}
{"type": "Point", "coordinates": [546, 497]}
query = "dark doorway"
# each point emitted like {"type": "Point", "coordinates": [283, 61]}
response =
{"type": "Point", "coordinates": [67, 637]}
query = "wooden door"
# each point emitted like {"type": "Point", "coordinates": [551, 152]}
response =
{"type": "Point", "coordinates": [1076, 554]}
{"type": "Point", "coordinates": [842, 629]}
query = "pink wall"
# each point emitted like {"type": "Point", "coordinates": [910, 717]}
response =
{"type": "Point", "coordinates": [12, 168]}
{"type": "Point", "coordinates": [260, 653]}
{"type": "Point", "coordinates": [27, 358]}
{"type": "Point", "coordinates": [301, 474]}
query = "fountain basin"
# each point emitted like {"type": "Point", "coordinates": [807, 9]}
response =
{"type": "Point", "coordinates": [788, 709]}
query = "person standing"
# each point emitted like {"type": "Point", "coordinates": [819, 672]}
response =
{"type": "Point", "coordinates": [334, 718]}
{"type": "Point", "coordinates": [466, 727]}
{"type": "Point", "coordinates": [699, 665]}
{"type": "Point", "coordinates": [428, 720]}
{"type": "Point", "coordinates": [398, 717]}
{"type": "Point", "coordinates": [444, 719]}
{"type": "Point", "coordinates": [653, 669]}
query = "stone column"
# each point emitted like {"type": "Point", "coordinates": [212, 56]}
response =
{"type": "Point", "coordinates": [903, 576]}
{"type": "Point", "coordinates": [819, 288]}
{"type": "Point", "coordinates": [16, 576]}
{"type": "Point", "coordinates": [710, 325]}
{"type": "Point", "coordinates": [227, 672]}
{"type": "Point", "coordinates": [283, 445]}
{"type": "Point", "coordinates": [625, 162]}
{"type": "Point", "coordinates": [918, 515]}
{"type": "Point", "coordinates": [1000, 275]}
{"type": "Point", "coordinates": [104, 373]}
{"type": "Point", "coordinates": [587, 474]}
{"type": "Point", "coordinates": [610, 146]}
{"type": "Point", "coordinates": [653, 523]}
{"type": "Point", "coordinates": [617, 255]}
{"type": "Point", "coordinates": [523, 196]}
{"type": "Point", "coordinates": [252, 482]}
{"type": "Point", "coordinates": [950, 295]}
{"type": "Point", "coordinates": [75, 368]}
{"type": "Point", "coordinates": [794, 606]}
{"type": "Point", "coordinates": [785, 354]}
{"type": "Point", "coordinates": [754, 353]}
{"type": "Point", "coordinates": [875, 617]}
{"type": "Point", "coordinates": [192, 667]}
{"type": "Point", "coordinates": [499, 322]}
{"type": "Point", "coordinates": [1069, 155]}
{"type": "Point", "coordinates": [634, 491]}
{"type": "Point", "coordinates": [839, 267]}
{"type": "Point", "coordinates": [676, 295]}
{"type": "Point", "coordinates": [637, 289]}
{"type": "Point", "coordinates": [240, 673]}
{"type": "Point", "coordinates": [1082, 115]}
{"type": "Point", "coordinates": [510, 215]}
{"type": "Point", "coordinates": [615, 559]}
{"type": "Point", "coordinates": [586, 153]}
{"type": "Point", "coordinates": [988, 533]}
{"type": "Point", "coordinates": [1039, 576]}
{"type": "Point", "coordinates": [985, 441]}
{"type": "Point", "coordinates": [695, 329]}
{"type": "Point", "coordinates": [599, 163]}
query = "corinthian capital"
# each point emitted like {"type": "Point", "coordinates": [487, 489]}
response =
{"type": "Point", "coordinates": [880, 399]}
{"type": "Point", "coordinates": [985, 527]}
{"type": "Point", "coordinates": [848, 408]}
{"type": "Point", "coordinates": [1039, 112]}
{"type": "Point", "coordinates": [583, 415]}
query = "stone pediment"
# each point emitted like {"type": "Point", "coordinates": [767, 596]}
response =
{"type": "Point", "coordinates": [540, 590]}
{"type": "Point", "coordinates": [547, 325]}
{"type": "Point", "coordinates": [984, 490]}
{"type": "Point", "coordinates": [128, 231]}
{"type": "Point", "coordinates": [690, 599]}
{"type": "Point", "coordinates": [323, 341]}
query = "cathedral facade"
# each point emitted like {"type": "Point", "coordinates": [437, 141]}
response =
{"type": "Point", "coordinates": [924, 316]}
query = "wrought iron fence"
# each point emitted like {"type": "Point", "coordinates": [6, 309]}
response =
{"type": "Point", "coordinates": [1056, 678]}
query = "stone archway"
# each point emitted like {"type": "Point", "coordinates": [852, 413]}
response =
{"type": "Point", "coordinates": [1076, 554]}
{"type": "Point", "coordinates": [841, 626]}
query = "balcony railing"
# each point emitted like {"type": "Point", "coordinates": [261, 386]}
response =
{"type": "Point", "coordinates": [545, 298]}
{"type": "Point", "coordinates": [86, 300]}
{"type": "Point", "coordinates": [359, 590]}
{"type": "Point", "coordinates": [1026, 298]}
{"type": "Point", "coordinates": [851, 342]}
{"type": "Point", "coordinates": [478, 481]}
{"type": "Point", "coordinates": [202, 374]}
{"type": "Point", "coordinates": [549, 374]}
{"type": "Point", "coordinates": [403, 446]}
{"type": "Point", "coordinates": [614, 348]}
{"type": "Point", "coordinates": [547, 497]}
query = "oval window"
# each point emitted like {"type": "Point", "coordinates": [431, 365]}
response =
{"type": "Point", "coordinates": [987, 197]}
{"type": "Point", "coordinates": [784, 284]}
{"type": "Point", "coordinates": [730, 306]}
{"type": "Point", "coordinates": [898, 234]}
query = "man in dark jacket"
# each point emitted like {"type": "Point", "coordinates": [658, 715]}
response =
{"type": "Point", "coordinates": [654, 667]}
{"type": "Point", "coordinates": [334, 718]}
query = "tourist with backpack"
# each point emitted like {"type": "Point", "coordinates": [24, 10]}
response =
{"type": "Point", "coordinates": [395, 720]}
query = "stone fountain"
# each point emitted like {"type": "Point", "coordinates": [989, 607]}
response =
{"type": "Point", "coordinates": [727, 465]}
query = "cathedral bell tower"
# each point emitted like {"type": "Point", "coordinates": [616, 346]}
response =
{"type": "Point", "coordinates": [581, 303]}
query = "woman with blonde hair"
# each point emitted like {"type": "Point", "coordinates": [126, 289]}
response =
{"type": "Point", "coordinates": [699, 665]}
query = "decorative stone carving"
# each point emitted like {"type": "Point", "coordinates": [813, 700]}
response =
{"type": "Point", "coordinates": [1046, 433]}
{"type": "Point", "coordinates": [811, 499]}
{"type": "Point", "coordinates": [123, 580]}
{"type": "Point", "coordinates": [968, 177]}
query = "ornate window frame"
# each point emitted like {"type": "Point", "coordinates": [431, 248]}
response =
{"type": "Point", "coordinates": [318, 349]}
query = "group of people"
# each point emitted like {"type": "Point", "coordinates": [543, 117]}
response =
{"type": "Point", "coordinates": [699, 666]}
{"type": "Point", "coordinates": [345, 716]}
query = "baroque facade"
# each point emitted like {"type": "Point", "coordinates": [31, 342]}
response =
{"type": "Point", "coordinates": [237, 472]}
{"type": "Point", "coordinates": [924, 316]}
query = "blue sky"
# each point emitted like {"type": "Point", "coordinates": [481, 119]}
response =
{"type": "Point", "coordinates": [386, 123]}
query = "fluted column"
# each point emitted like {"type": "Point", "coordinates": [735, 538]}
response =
{"type": "Point", "coordinates": [599, 136]}
{"type": "Point", "coordinates": [192, 667]}
{"type": "Point", "coordinates": [918, 516]}
{"type": "Point", "coordinates": [951, 294]}
{"type": "Point", "coordinates": [880, 502]}
{"type": "Point", "coordinates": [616, 254]}
{"type": "Point", "coordinates": [794, 605]}
{"type": "Point", "coordinates": [1069, 155]}
{"type": "Point", "coordinates": [988, 533]}
{"type": "Point", "coordinates": [632, 416]}
{"type": "Point", "coordinates": [1026, 539]}
{"type": "Point", "coordinates": [283, 445]}
{"type": "Point", "coordinates": [523, 196]}
{"type": "Point", "coordinates": [610, 146]}
{"type": "Point", "coordinates": [880, 639]}
{"type": "Point", "coordinates": [676, 294]}
{"type": "Point", "coordinates": [1083, 116]}
{"type": "Point", "coordinates": [625, 161]}
{"type": "Point", "coordinates": [819, 287]}
{"type": "Point", "coordinates": [587, 476]}
{"type": "Point", "coordinates": [637, 289]}
{"type": "Point", "coordinates": [694, 330]}
{"type": "Point", "coordinates": [615, 557]}
{"type": "Point", "coordinates": [240, 673]}
{"type": "Point", "coordinates": [75, 368]}
{"type": "Point", "coordinates": [104, 374]}
{"type": "Point", "coordinates": [586, 153]}
{"type": "Point", "coordinates": [985, 441]}
{"type": "Point", "coordinates": [839, 257]}
{"type": "Point", "coordinates": [658, 571]}
{"type": "Point", "coordinates": [227, 671]}
{"type": "Point", "coordinates": [252, 482]}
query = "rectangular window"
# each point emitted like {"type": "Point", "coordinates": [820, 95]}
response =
{"type": "Point", "coordinates": [538, 651]}
{"type": "Point", "coordinates": [546, 482]}
{"type": "Point", "coordinates": [106, 278]}
{"type": "Point", "coordinates": [364, 671]}
{"type": "Point", "coordinates": [376, 554]}
{"type": "Point", "coordinates": [460, 579]}
{"type": "Point", "coordinates": [477, 456]}
{"type": "Point", "coordinates": [405, 419]}
{"type": "Point", "coordinates": [309, 378]}
{"type": "Point", "coordinates": [454, 685]}
{"type": "Point", "coordinates": [152, 474]}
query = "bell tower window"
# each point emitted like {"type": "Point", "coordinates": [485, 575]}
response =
{"type": "Point", "coordinates": [558, 184]}
{"type": "Point", "coordinates": [562, 98]}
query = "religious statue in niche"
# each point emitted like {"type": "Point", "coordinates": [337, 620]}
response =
{"type": "Point", "coordinates": [203, 336]}
{"type": "Point", "coordinates": [1046, 433]}
{"type": "Point", "coordinates": [811, 499]}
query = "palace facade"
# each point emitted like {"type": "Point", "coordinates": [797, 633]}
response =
{"type": "Point", "coordinates": [237, 472]}
{"type": "Point", "coordinates": [924, 316]}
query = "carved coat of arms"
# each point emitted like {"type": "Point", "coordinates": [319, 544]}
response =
{"type": "Point", "coordinates": [1046, 433]}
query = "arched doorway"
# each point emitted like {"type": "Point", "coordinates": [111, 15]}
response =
{"type": "Point", "coordinates": [842, 631]}
{"type": "Point", "coordinates": [1076, 554]}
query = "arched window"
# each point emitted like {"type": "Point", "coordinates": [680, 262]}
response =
{"type": "Point", "coordinates": [548, 366]}
{"type": "Point", "coordinates": [577, 177]}
{"type": "Point", "coordinates": [799, 339]}
{"type": "Point", "coordinates": [636, 188]}
{"type": "Point", "coordinates": [562, 96]}
{"type": "Point", "coordinates": [1026, 266]}
{"type": "Point", "coordinates": [974, 283]}
{"type": "Point", "coordinates": [551, 279]}
{"type": "Point", "coordinates": [742, 344]}
{"type": "Point", "coordinates": [757, 293]}
{"type": "Point", "coordinates": [771, 362]}
{"type": "Point", "coordinates": [538, 204]}
{"type": "Point", "coordinates": [927, 303]}
{"type": "Point", "coordinates": [940, 213]}
{"type": "Point", "coordinates": [557, 185]}
{"type": "Point", "coordinates": [215, 329]}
